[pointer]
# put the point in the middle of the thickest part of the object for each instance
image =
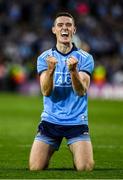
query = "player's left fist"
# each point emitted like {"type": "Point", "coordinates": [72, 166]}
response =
{"type": "Point", "coordinates": [72, 63]}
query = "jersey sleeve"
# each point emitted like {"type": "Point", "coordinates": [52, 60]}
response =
{"type": "Point", "coordinates": [87, 64]}
{"type": "Point", "coordinates": [41, 64]}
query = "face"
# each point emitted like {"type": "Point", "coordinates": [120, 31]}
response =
{"type": "Point", "coordinates": [64, 29]}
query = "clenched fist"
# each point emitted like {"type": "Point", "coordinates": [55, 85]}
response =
{"type": "Point", "coordinates": [72, 63]}
{"type": "Point", "coordinates": [51, 62]}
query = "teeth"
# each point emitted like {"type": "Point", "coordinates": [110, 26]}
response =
{"type": "Point", "coordinates": [64, 33]}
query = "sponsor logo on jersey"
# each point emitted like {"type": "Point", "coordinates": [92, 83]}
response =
{"type": "Point", "coordinates": [62, 79]}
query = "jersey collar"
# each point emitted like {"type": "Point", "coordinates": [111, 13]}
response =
{"type": "Point", "coordinates": [74, 48]}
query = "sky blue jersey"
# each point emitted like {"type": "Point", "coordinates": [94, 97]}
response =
{"type": "Point", "coordinates": [64, 106]}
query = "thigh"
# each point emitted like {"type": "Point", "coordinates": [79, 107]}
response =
{"type": "Point", "coordinates": [82, 155]}
{"type": "Point", "coordinates": [40, 155]}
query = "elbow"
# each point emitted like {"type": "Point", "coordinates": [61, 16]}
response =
{"type": "Point", "coordinates": [46, 93]}
{"type": "Point", "coordinates": [81, 92]}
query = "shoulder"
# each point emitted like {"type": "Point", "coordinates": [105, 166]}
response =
{"type": "Point", "coordinates": [45, 54]}
{"type": "Point", "coordinates": [83, 53]}
{"type": "Point", "coordinates": [85, 56]}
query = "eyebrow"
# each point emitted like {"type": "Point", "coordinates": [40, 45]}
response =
{"type": "Point", "coordinates": [62, 23]}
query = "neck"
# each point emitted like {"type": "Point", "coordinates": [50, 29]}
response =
{"type": "Point", "coordinates": [64, 48]}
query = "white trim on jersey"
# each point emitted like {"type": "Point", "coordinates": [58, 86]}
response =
{"type": "Point", "coordinates": [81, 52]}
{"type": "Point", "coordinates": [45, 53]}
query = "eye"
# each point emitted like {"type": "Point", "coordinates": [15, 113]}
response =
{"type": "Point", "coordinates": [60, 24]}
{"type": "Point", "coordinates": [68, 24]}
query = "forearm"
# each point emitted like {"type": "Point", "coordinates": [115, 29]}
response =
{"type": "Point", "coordinates": [47, 83]}
{"type": "Point", "coordinates": [78, 84]}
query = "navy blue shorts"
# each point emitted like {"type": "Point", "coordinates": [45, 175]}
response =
{"type": "Point", "coordinates": [53, 133]}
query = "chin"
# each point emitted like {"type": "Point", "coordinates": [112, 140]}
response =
{"type": "Point", "coordinates": [65, 41]}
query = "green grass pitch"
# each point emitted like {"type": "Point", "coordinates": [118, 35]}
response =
{"type": "Point", "coordinates": [19, 117]}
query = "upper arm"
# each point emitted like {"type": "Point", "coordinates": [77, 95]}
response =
{"type": "Point", "coordinates": [42, 77]}
{"type": "Point", "coordinates": [86, 68]}
{"type": "Point", "coordinates": [86, 64]}
{"type": "Point", "coordinates": [85, 78]}
{"type": "Point", "coordinates": [41, 64]}
{"type": "Point", "coordinates": [41, 68]}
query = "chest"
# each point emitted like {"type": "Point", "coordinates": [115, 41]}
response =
{"type": "Point", "coordinates": [62, 75]}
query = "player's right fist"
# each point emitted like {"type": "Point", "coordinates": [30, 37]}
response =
{"type": "Point", "coordinates": [51, 62]}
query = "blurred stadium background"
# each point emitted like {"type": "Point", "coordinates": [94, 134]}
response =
{"type": "Point", "coordinates": [25, 32]}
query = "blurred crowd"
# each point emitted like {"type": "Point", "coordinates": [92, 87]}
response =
{"type": "Point", "coordinates": [25, 32]}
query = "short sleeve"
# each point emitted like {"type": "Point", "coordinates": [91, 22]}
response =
{"type": "Point", "coordinates": [41, 64]}
{"type": "Point", "coordinates": [87, 64]}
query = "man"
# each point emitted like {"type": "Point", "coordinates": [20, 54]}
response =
{"type": "Point", "coordinates": [64, 78]}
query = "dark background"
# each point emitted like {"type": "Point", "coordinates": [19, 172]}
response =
{"type": "Point", "coordinates": [25, 32]}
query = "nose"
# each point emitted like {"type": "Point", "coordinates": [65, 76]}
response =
{"type": "Point", "coordinates": [64, 26]}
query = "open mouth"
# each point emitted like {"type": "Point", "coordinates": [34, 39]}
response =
{"type": "Point", "coordinates": [64, 34]}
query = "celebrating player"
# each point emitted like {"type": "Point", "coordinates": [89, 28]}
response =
{"type": "Point", "coordinates": [65, 72]}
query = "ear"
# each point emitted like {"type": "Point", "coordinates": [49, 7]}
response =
{"type": "Point", "coordinates": [74, 30]}
{"type": "Point", "coordinates": [53, 30]}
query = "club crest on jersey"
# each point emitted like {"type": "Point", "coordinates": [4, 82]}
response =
{"type": "Point", "coordinates": [83, 117]}
{"type": "Point", "coordinates": [62, 79]}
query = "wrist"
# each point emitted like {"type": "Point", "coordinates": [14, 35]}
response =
{"type": "Point", "coordinates": [50, 71]}
{"type": "Point", "coordinates": [73, 70]}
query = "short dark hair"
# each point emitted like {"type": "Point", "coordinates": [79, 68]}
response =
{"type": "Point", "coordinates": [64, 14]}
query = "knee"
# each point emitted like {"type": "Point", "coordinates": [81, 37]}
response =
{"type": "Point", "coordinates": [89, 166]}
{"type": "Point", "coordinates": [85, 167]}
{"type": "Point", "coordinates": [36, 167]}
